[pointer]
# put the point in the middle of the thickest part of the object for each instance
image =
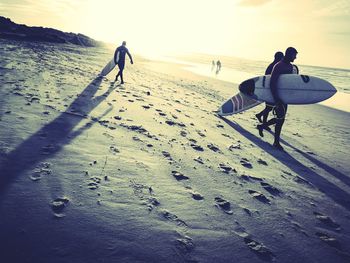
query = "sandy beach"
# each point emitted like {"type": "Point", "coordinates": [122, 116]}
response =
{"type": "Point", "coordinates": [95, 171]}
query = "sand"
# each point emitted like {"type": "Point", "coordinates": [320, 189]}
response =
{"type": "Point", "coordinates": [95, 171]}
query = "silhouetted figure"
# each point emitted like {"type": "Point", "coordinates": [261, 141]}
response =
{"type": "Point", "coordinates": [119, 58]}
{"type": "Point", "coordinates": [282, 67]}
{"type": "Point", "coordinates": [218, 66]}
{"type": "Point", "coordinates": [262, 116]}
{"type": "Point", "coordinates": [213, 65]}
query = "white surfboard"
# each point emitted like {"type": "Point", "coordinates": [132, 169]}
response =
{"type": "Point", "coordinates": [110, 66]}
{"type": "Point", "coordinates": [236, 104]}
{"type": "Point", "coordinates": [292, 89]}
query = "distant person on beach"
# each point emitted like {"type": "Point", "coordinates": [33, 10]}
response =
{"type": "Point", "coordinates": [119, 58]}
{"type": "Point", "coordinates": [212, 65]}
{"type": "Point", "coordinates": [218, 66]}
{"type": "Point", "coordinates": [262, 116]}
{"type": "Point", "coordinates": [282, 67]}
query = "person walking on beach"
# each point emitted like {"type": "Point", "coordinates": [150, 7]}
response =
{"type": "Point", "coordinates": [218, 66]}
{"type": "Point", "coordinates": [282, 67]}
{"type": "Point", "coordinates": [262, 116]}
{"type": "Point", "coordinates": [119, 58]}
{"type": "Point", "coordinates": [212, 65]}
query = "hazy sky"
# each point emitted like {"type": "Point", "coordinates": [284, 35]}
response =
{"type": "Point", "coordinates": [255, 29]}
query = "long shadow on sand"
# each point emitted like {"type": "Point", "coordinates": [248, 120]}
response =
{"type": "Point", "coordinates": [338, 195]}
{"type": "Point", "coordinates": [342, 177]}
{"type": "Point", "coordinates": [50, 139]}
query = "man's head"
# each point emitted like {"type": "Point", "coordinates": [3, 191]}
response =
{"type": "Point", "coordinates": [291, 54]}
{"type": "Point", "coordinates": [278, 56]}
{"type": "Point", "coordinates": [124, 43]}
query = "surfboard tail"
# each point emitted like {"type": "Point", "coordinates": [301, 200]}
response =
{"type": "Point", "coordinates": [236, 104]}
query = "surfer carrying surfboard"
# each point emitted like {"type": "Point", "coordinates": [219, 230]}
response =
{"type": "Point", "coordinates": [119, 59]}
{"type": "Point", "coordinates": [282, 67]}
{"type": "Point", "coordinates": [262, 116]}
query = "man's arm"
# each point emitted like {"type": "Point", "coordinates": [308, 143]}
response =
{"type": "Point", "coordinates": [131, 61]}
{"type": "Point", "coordinates": [268, 70]}
{"type": "Point", "coordinates": [276, 72]}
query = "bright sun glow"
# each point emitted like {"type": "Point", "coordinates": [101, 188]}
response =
{"type": "Point", "coordinates": [252, 29]}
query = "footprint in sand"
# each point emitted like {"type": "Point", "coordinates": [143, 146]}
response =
{"type": "Point", "coordinates": [250, 178]}
{"type": "Point", "coordinates": [296, 226]}
{"type": "Point", "coordinates": [327, 221]}
{"type": "Point", "coordinates": [200, 133]}
{"type": "Point", "coordinates": [261, 161]}
{"type": "Point", "coordinates": [234, 147]}
{"type": "Point", "coordinates": [249, 211]}
{"type": "Point", "coordinates": [58, 206]}
{"type": "Point", "coordinates": [301, 180]}
{"type": "Point", "coordinates": [226, 135]}
{"type": "Point", "coordinates": [183, 133]}
{"type": "Point", "coordinates": [185, 244]}
{"type": "Point", "coordinates": [245, 162]}
{"type": "Point", "coordinates": [331, 241]}
{"type": "Point", "coordinates": [271, 189]}
{"type": "Point", "coordinates": [214, 148]}
{"type": "Point", "coordinates": [94, 183]}
{"type": "Point", "coordinates": [226, 168]}
{"type": "Point", "coordinates": [172, 123]}
{"type": "Point", "coordinates": [179, 176]}
{"type": "Point", "coordinates": [197, 196]}
{"type": "Point", "coordinates": [258, 248]}
{"type": "Point", "coordinates": [197, 147]}
{"type": "Point", "coordinates": [262, 251]}
{"type": "Point", "coordinates": [43, 169]}
{"type": "Point", "coordinates": [113, 149]}
{"type": "Point", "coordinates": [167, 155]}
{"type": "Point", "coordinates": [146, 194]}
{"type": "Point", "coordinates": [223, 204]}
{"type": "Point", "coordinates": [199, 160]}
{"type": "Point", "coordinates": [259, 196]}
{"type": "Point", "coordinates": [172, 217]}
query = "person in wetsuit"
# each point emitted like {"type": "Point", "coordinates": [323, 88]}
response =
{"type": "Point", "coordinates": [262, 116]}
{"type": "Point", "coordinates": [283, 67]}
{"type": "Point", "coordinates": [119, 59]}
{"type": "Point", "coordinates": [218, 66]}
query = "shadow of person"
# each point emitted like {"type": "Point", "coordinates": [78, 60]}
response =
{"type": "Point", "coordinates": [331, 190]}
{"type": "Point", "coordinates": [342, 177]}
{"type": "Point", "coordinates": [50, 139]}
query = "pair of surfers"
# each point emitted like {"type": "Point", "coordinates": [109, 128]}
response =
{"type": "Point", "coordinates": [282, 64]}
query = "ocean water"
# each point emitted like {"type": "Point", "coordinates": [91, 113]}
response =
{"type": "Point", "coordinates": [236, 70]}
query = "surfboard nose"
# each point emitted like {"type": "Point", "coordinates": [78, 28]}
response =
{"type": "Point", "coordinates": [247, 87]}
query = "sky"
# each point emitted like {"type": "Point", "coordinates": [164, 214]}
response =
{"type": "Point", "coordinates": [253, 29]}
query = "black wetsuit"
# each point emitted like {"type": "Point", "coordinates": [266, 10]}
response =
{"type": "Point", "coordinates": [119, 55]}
{"type": "Point", "coordinates": [280, 68]}
{"type": "Point", "coordinates": [122, 52]}
{"type": "Point", "coordinates": [265, 112]}
{"type": "Point", "coordinates": [270, 67]}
